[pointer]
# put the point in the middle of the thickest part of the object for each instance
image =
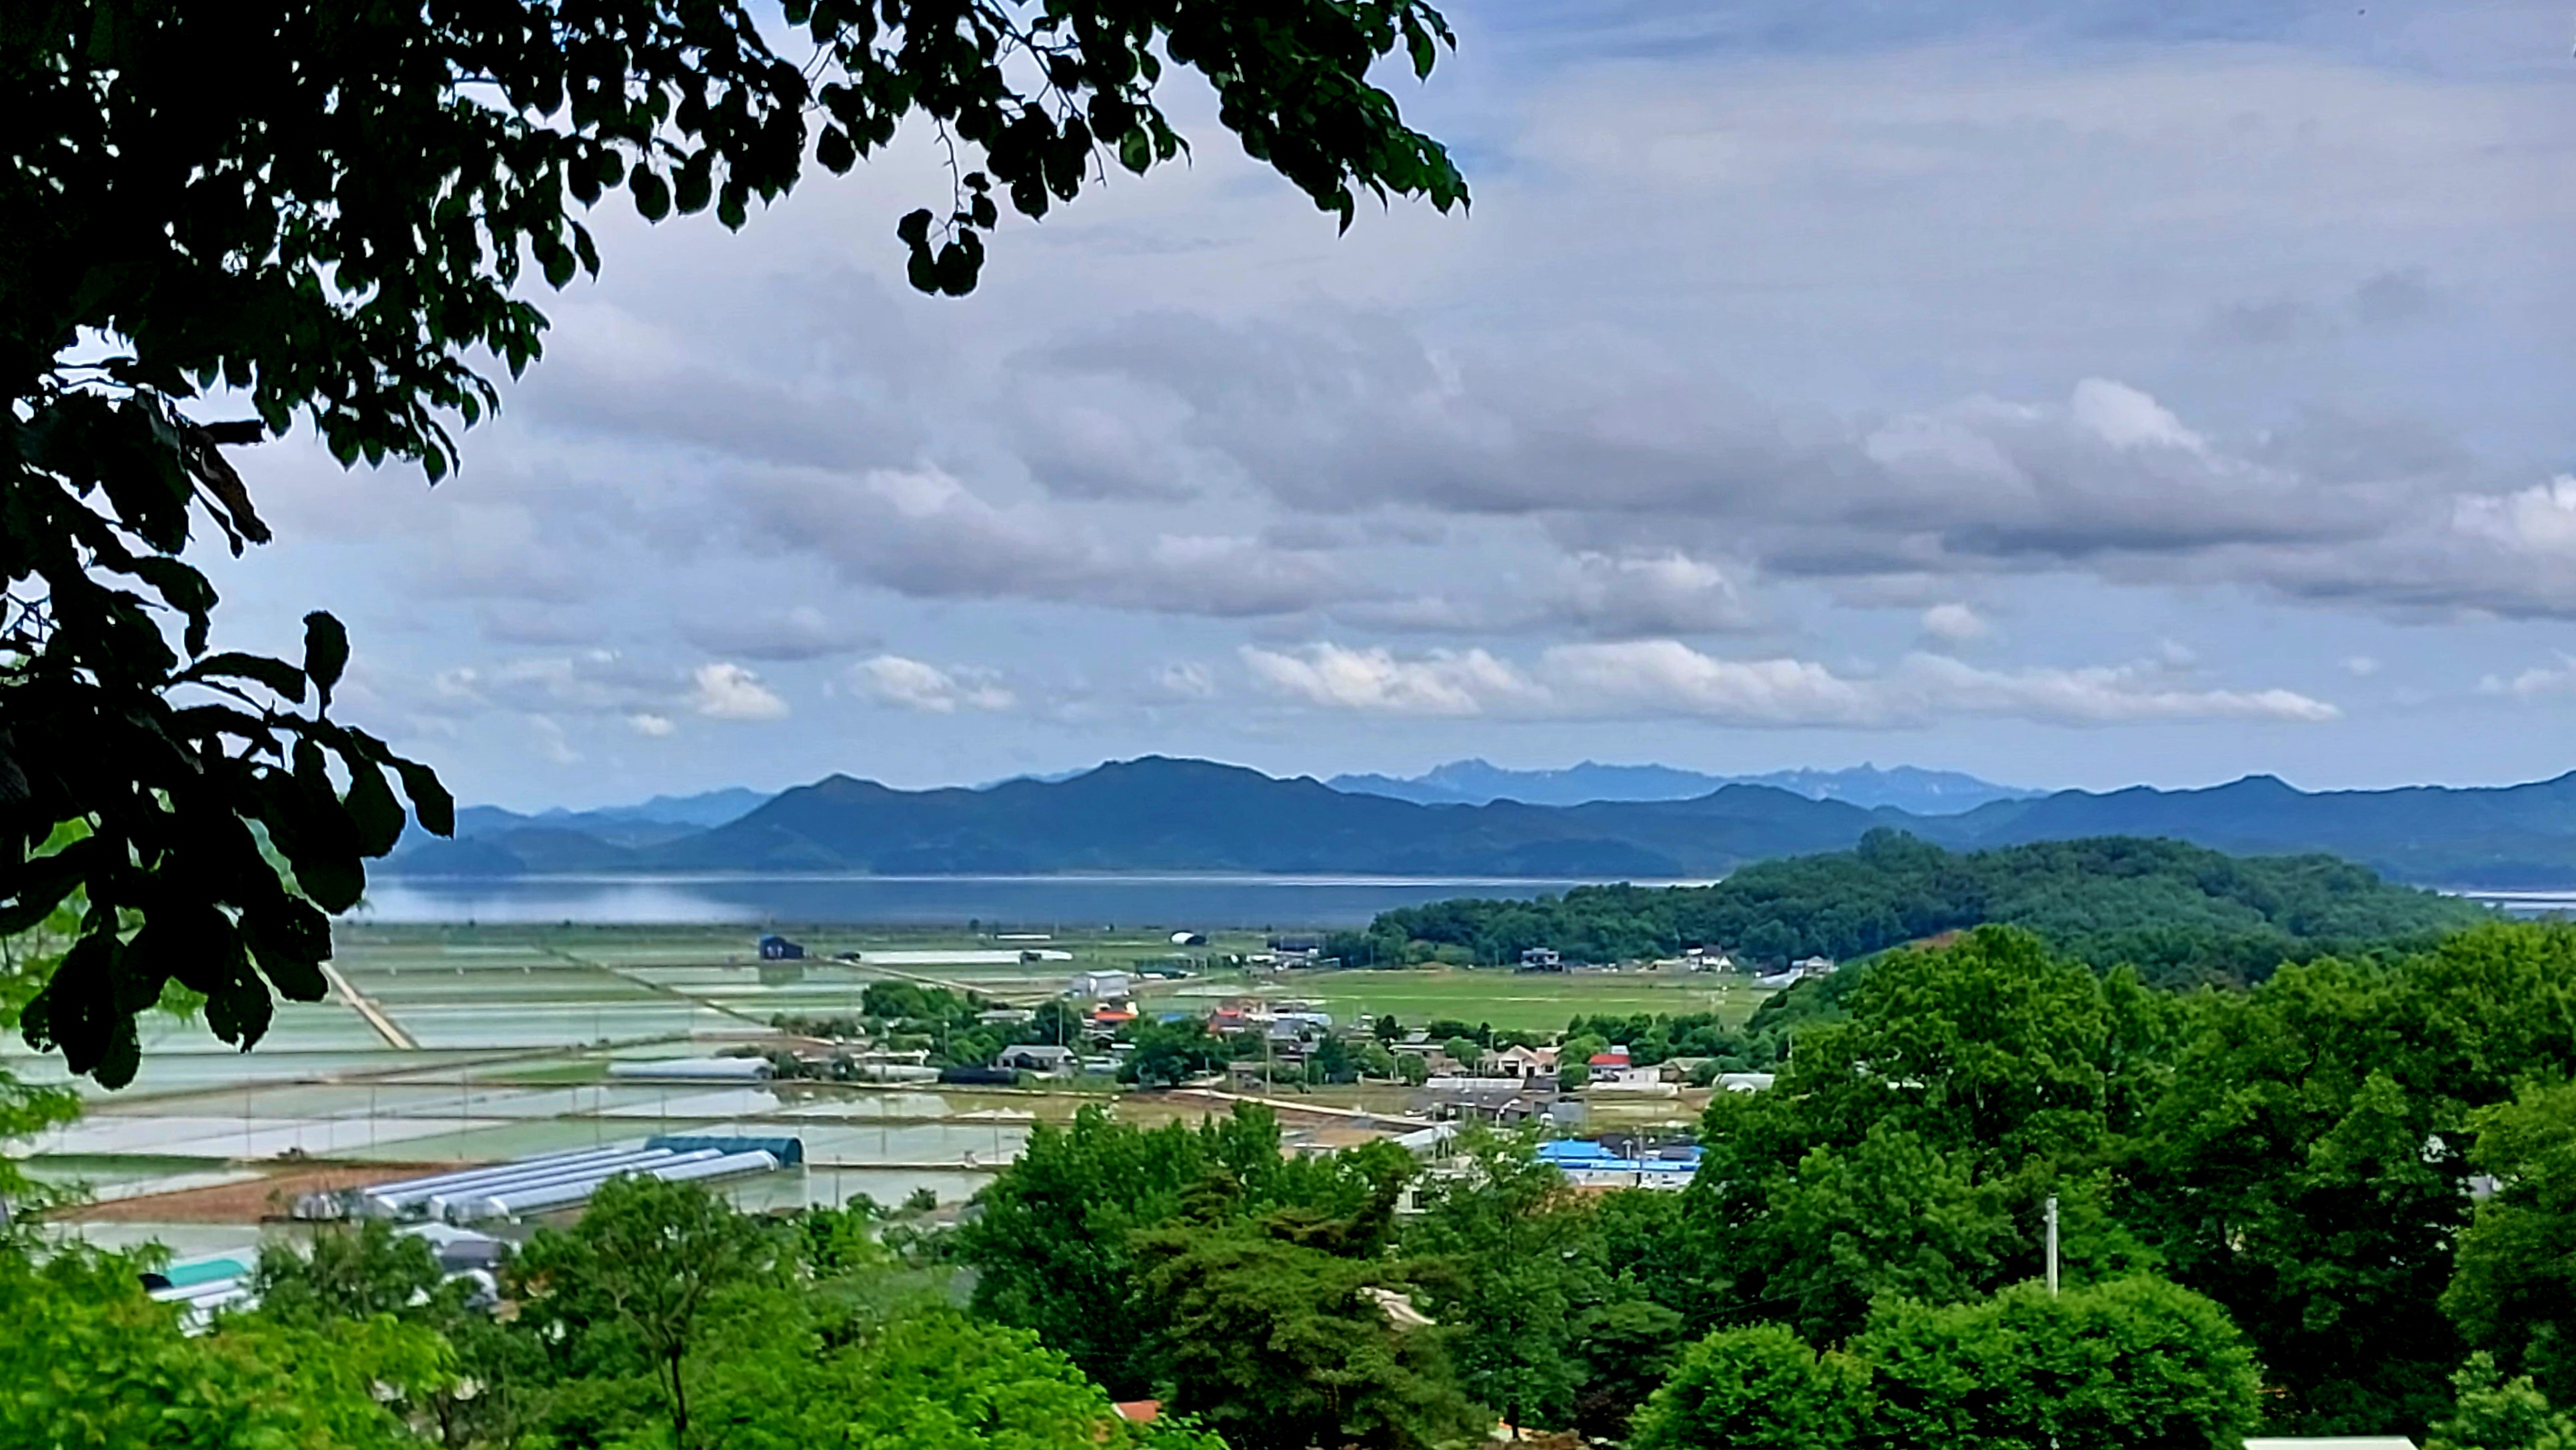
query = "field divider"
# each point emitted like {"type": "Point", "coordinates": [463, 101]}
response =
{"type": "Point", "coordinates": [386, 1027]}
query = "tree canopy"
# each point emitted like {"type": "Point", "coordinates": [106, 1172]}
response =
{"type": "Point", "coordinates": [332, 215]}
{"type": "Point", "coordinates": [2179, 913]}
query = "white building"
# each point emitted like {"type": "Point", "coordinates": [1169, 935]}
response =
{"type": "Point", "coordinates": [1101, 986]}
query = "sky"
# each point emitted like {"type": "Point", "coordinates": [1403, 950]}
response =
{"type": "Point", "coordinates": [2079, 394]}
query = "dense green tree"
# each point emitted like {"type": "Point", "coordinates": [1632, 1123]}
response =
{"type": "Point", "coordinates": [326, 214]}
{"type": "Point", "coordinates": [1167, 1054]}
{"type": "Point", "coordinates": [2179, 913]}
{"type": "Point", "coordinates": [2514, 1290]}
{"type": "Point", "coordinates": [2494, 1413]}
{"type": "Point", "coordinates": [1052, 1241]}
{"type": "Point", "coordinates": [2130, 1363]}
{"type": "Point", "coordinates": [1756, 1388]}
{"type": "Point", "coordinates": [1518, 1260]}
{"type": "Point", "coordinates": [370, 1269]}
{"type": "Point", "coordinates": [2308, 1166]}
{"type": "Point", "coordinates": [927, 1378]}
{"type": "Point", "coordinates": [626, 1298]}
{"type": "Point", "coordinates": [1909, 1147]}
{"type": "Point", "coordinates": [1276, 1337]}
{"type": "Point", "coordinates": [89, 1363]}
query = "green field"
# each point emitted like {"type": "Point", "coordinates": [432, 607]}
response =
{"type": "Point", "coordinates": [1533, 1001]}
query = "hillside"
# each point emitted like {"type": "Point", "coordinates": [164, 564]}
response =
{"type": "Point", "coordinates": [2177, 912]}
{"type": "Point", "coordinates": [1157, 814]}
{"type": "Point", "coordinates": [2501, 836]}
{"type": "Point", "coordinates": [1477, 782]}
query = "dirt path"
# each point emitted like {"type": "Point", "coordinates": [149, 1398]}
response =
{"type": "Point", "coordinates": [249, 1202]}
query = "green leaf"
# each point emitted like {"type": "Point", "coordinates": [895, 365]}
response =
{"type": "Point", "coordinates": [326, 652]}
{"type": "Point", "coordinates": [652, 194]}
{"type": "Point", "coordinates": [430, 802]}
{"type": "Point", "coordinates": [373, 809]}
{"type": "Point", "coordinates": [277, 675]}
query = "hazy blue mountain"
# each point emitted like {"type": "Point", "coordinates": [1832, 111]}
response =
{"type": "Point", "coordinates": [706, 808]}
{"type": "Point", "coordinates": [2493, 836]}
{"type": "Point", "coordinates": [1476, 782]}
{"type": "Point", "coordinates": [1158, 814]}
{"type": "Point", "coordinates": [491, 840]}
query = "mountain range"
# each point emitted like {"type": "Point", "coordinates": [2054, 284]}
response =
{"type": "Point", "coordinates": [1477, 782]}
{"type": "Point", "coordinates": [1160, 814]}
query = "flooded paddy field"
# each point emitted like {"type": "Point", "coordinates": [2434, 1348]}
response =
{"type": "Point", "coordinates": [455, 1045]}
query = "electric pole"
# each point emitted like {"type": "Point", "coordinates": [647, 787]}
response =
{"type": "Point", "coordinates": [2052, 1246]}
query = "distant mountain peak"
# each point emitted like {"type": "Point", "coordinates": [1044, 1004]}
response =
{"type": "Point", "coordinates": [1476, 781]}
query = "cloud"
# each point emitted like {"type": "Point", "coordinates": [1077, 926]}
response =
{"type": "Point", "coordinates": [2361, 667]}
{"type": "Point", "coordinates": [923, 532]}
{"type": "Point", "coordinates": [1669, 593]}
{"type": "Point", "coordinates": [724, 690]}
{"type": "Point", "coordinates": [801, 632]}
{"type": "Point", "coordinates": [1186, 680]}
{"type": "Point", "coordinates": [1374, 681]}
{"type": "Point", "coordinates": [1955, 624]}
{"type": "Point", "coordinates": [650, 725]}
{"type": "Point", "coordinates": [2535, 682]}
{"type": "Point", "coordinates": [913, 685]}
{"type": "Point", "coordinates": [1666, 678]}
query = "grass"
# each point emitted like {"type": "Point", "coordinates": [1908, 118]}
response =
{"type": "Point", "coordinates": [1533, 1001]}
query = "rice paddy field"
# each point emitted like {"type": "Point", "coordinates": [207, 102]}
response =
{"type": "Point", "coordinates": [447, 1045]}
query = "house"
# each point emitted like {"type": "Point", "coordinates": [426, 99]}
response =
{"type": "Point", "coordinates": [1609, 1059]}
{"type": "Point", "coordinates": [1045, 1061]}
{"type": "Point", "coordinates": [1542, 959]}
{"type": "Point", "coordinates": [1112, 1016]}
{"type": "Point", "coordinates": [775, 948]}
{"type": "Point", "coordinates": [1296, 950]}
{"type": "Point", "coordinates": [1101, 986]}
{"type": "Point", "coordinates": [1523, 1062]}
{"type": "Point", "coordinates": [1006, 1016]}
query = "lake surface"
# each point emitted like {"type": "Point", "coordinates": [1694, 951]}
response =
{"type": "Point", "coordinates": [1204, 902]}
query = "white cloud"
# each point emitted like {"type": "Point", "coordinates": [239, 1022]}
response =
{"type": "Point", "coordinates": [724, 690]}
{"type": "Point", "coordinates": [1374, 681]}
{"type": "Point", "coordinates": [1665, 593]}
{"type": "Point", "coordinates": [801, 632]}
{"type": "Point", "coordinates": [2535, 682]}
{"type": "Point", "coordinates": [1955, 624]}
{"type": "Point", "coordinates": [1186, 680]}
{"type": "Point", "coordinates": [2361, 667]}
{"type": "Point", "coordinates": [649, 725]}
{"type": "Point", "coordinates": [914, 685]}
{"type": "Point", "coordinates": [1666, 678]}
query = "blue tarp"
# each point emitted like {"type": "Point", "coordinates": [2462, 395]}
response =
{"type": "Point", "coordinates": [788, 1151]}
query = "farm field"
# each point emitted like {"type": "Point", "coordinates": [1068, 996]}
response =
{"type": "Point", "coordinates": [473, 1044]}
{"type": "Point", "coordinates": [1533, 1001]}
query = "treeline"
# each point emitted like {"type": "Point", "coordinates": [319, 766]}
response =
{"type": "Point", "coordinates": [2351, 1187]}
{"type": "Point", "coordinates": [663, 1318]}
{"type": "Point", "coordinates": [2340, 1202]}
{"type": "Point", "coordinates": [948, 1025]}
{"type": "Point", "coordinates": [2176, 912]}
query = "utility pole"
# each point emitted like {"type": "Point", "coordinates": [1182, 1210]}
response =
{"type": "Point", "coordinates": [2052, 1246]}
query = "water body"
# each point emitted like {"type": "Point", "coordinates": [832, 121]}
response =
{"type": "Point", "coordinates": [2523, 903]}
{"type": "Point", "coordinates": [1204, 902]}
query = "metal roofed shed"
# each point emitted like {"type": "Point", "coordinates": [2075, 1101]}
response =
{"type": "Point", "coordinates": [692, 1069]}
{"type": "Point", "coordinates": [562, 1180]}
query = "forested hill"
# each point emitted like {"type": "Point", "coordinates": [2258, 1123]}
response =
{"type": "Point", "coordinates": [2177, 912]}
